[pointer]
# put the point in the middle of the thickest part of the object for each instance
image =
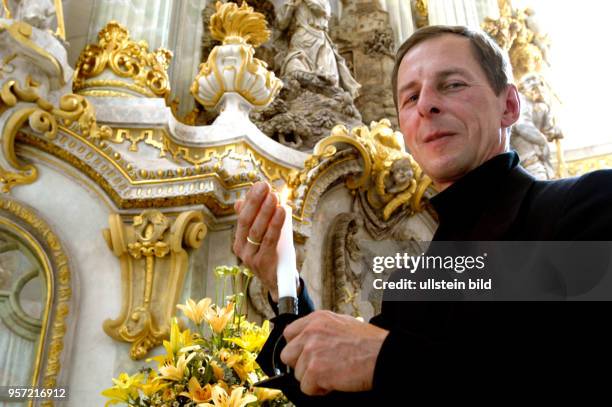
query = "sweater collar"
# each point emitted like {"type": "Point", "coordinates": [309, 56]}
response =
{"type": "Point", "coordinates": [466, 198]}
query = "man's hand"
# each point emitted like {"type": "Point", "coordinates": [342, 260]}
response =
{"type": "Point", "coordinates": [260, 219]}
{"type": "Point", "coordinates": [330, 351]}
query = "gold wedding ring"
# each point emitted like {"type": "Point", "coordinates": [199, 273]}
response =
{"type": "Point", "coordinates": [253, 242]}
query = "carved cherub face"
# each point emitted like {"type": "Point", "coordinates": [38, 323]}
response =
{"type": "Point", "coordinates": [401, 172]}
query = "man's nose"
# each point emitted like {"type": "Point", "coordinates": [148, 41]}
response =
{"type": "Point", "coordinates": [429, 102]}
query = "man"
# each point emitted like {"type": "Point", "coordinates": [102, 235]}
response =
{"type": "Point", "coordinates": [456, 105]}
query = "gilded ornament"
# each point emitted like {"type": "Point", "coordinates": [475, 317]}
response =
{"type": "Point", "coordinates": [59, 14]}
{"type": "Point", "coordinates": [584, 165]}
{"type": "Point", "coordinates": [7, 11]}
{"type": "Point", "coordinates": [125, 58]}
{"type": "Point", "coordinates": [232, 67]}
{"type": "Point", "coordinates": [21, 32]}
{"type": "Point", "coordinates": [58, 287]}
{"type": "Point", "coordinates": [153, 251]}
{"type": "Point", "coordinates": [526, 46]}
{"type": "Point", "coordinates": [238, 25]}
{"type": "Point", "coordinates": [422, 13]}
{"type": "Point", "coordinates": [43, 117]}
{"type": "Point", "coordinates": [390, 177]}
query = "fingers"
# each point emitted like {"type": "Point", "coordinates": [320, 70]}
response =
{"type": "Point", "coordinates": [270, 238]}
{"type": "Point", "coordinates": [292, 352]}
{"type": "Point", "coordinates": [260, 224]}
{"type": "Point", "coordinates": [302, 354]}
{"type": "Point", "coordinates": [248, 212]}
{"type": "Point", "coordinates": [296, 327]}
{"type": "Point", "coordinates": [309, 376]}
{"type": "Point", "coordinates": [238, 205]}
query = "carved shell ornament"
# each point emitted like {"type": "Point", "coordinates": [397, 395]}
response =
{"type": "Point", "coordinates": [232, 67]}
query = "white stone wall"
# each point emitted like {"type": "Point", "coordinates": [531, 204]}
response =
{"type": "Point", "coordinates": [78, 215]}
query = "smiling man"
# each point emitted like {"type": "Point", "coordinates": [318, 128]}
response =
{"type": "Point", "coordinates": [453, 115]}
{"type": "Point", "coordinates": [456, 103]}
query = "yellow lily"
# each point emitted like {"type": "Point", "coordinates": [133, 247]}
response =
{"type": "Point", "coordinates": [264, 394]}
{"type": "Point", "coordinates": [252, 338]}
{"type": "Point", "coordinates": [243, 364]}
{"type": "Point", "coordinates": [217, 370]}
{"type": "Point", "coordinates": [152, 386]}
{"type": "Point", "coordinates": [178, 341]}
{"type": "Point", "coordinates": [116, 396]}
{"type": "Point", "coordinates": [220, 398]}
{"type": "Point", "coordinates": [125, 387]}
{"type": "Point", "coordinates": [198, 393]}
{"type": "Point", "coordinates": [171, 372]}
{"type": "Point", "coordinates": [195, 312]}
{"type": "Point", "coordinates": [218, 318]}
{"type": "Point", "coordinates": [224, 355]}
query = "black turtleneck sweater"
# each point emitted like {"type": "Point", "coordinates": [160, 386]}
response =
{"type": "Point", "coordinates": [431, 345]}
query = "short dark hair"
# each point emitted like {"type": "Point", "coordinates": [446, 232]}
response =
{"type": "Point", "coordinates": [493, 60]}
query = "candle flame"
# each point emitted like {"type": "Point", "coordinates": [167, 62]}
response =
{"type": "Point", "coordinates": [285, 193]}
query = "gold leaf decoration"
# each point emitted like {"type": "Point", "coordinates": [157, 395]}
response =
{"type": "Point", "coordinates": [238, 25]}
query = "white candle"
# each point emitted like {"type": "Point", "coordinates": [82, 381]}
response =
{"type": "Point", "coordinates": [286, 271]}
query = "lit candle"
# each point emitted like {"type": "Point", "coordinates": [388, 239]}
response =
{"type": "Point", "coordinates": [286, 271]}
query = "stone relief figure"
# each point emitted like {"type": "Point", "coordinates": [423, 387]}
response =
{"type": "Point", "coordinates": [310, 48]}
{"type": "Point", "coordinates": [311, 101]}
{"type": "Point", "coordinates": [38, 13]}
{"type": "Point", "coordinates": [536, 127]}
{"type": "Point", "coordinates": [343, 277]}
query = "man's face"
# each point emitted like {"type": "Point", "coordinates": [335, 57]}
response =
{"type": "Point", "coordinates": [450, 117]}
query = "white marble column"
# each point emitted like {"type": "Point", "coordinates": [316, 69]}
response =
{"type": "Point", "coordinates": [147, 20]}
{"type": "Point", "coordinates": [487, 8]}
{"type": "Point", "coordinates": [186, 44]}
{"type": "Point", "coordinates": [453, 12]}
{"type": "Point", "coordinates": [400, 16]}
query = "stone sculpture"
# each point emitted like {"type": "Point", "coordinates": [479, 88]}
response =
{"type": "Point", "coordinates": [311, 50]}
{"type": "Point", "coordinates": [536, 127]}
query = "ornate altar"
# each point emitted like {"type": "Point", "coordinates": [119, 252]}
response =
{"type": "Point", "coordinates": [115, 207]}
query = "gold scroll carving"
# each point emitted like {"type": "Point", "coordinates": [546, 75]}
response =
{"type": "Point", "coordinates": [145, 71]}
{"type": "Point", "coordinates": [153, 252]}
{"type": "Point", "coordinates": [43, 117]}
{"type": "Point", "coordinates": [391, 178]}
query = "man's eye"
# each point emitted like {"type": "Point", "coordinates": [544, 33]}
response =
{"type": "Point", "coordinates": [455, 85]}
{"type": "Point", "coordinates": [412, 98]}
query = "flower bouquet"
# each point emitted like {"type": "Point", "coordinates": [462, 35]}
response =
{"type": "Point", "coordinates": [213, 365]}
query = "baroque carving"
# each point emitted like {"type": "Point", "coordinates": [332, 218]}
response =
{"type": "Point", "coordinates": [365, 38]}
{"type": "Point", "coordinates": [342, 281]}
{"type": "Point", "coordinates": [232, 66]}
{"type": "Point", "coordinates": [125, 67]}
{"type": "Point", "coordinates": [536, 127]}
{"type": "Point", "coordinates": [518, 33]}
{"type": "Point", "coordinates": [42, 117]}
{"type": "Point", "coordinates": [582, 166]}
{"type": "Point", "coordinates": [28, 51]}
{"type": "Point", "coordinates": [214, 176]}
{"type": "Point", "coordinates": [55, 319]}
{"type": "Point", "coordinates": [421, 12]}
{"type": "Point", "coordinates": [42, 14]}
{"type": "Point", "coordinates": [153, 252]}
{"type": "Point", "coordinates": [310, 48]}
{"type": "Point", "coordinates": [391, 181]}
{"type": "Point", "coordinates": [305, 111]}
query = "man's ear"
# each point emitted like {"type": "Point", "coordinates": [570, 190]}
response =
{"type": "Point", "coordinates": [512, 106]}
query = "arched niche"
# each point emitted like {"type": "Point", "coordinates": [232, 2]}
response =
{"type": "Point", "coordinates": [36, 297]}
